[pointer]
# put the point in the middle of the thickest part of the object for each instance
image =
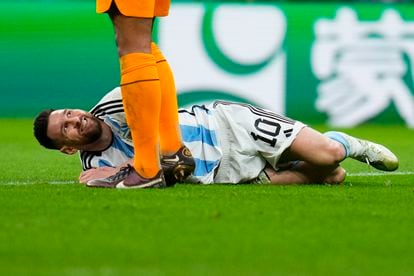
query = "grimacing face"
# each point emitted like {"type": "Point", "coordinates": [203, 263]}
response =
{"type": "Point", "coordinates": [73, 127]}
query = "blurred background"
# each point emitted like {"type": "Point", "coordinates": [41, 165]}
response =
{"type": "Point", "coordinates": [340, 63]}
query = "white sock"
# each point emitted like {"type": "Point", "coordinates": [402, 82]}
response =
{"type": "Point", "coordinates": [352, 145]}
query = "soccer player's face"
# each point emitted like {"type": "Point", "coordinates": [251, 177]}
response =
{"type": "Point", "coordinates": [73, 127]}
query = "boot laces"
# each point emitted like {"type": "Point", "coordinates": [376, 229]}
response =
{"type": "Point", "coordinates": [121, 174]}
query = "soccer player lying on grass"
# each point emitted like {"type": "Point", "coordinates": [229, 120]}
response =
{"type": "Point", "coordinates": [231, 143]}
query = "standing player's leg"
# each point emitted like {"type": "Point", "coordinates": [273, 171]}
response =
{"type": "Point", "coordinates": [141, 91]}
{"type": "Point", "coordinates": [169, 125]}
{"type": "Point", "coordinates": [170, 135]}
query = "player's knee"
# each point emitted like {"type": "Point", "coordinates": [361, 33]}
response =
{"type": "Point", "coordinates": [337, 177]}
{"type": "Point", "coordinates": [336, 153]}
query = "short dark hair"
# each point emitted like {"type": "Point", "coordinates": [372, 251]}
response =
{"type": "Point", "coordinates": [40, 129]}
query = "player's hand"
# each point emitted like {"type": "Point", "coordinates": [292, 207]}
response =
{"type": "Point", "coordinates": [101, 172]}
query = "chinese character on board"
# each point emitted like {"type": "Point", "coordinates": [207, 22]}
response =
{"type": "Point", "coordinates": [362, 67]}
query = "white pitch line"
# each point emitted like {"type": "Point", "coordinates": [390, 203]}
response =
{"type": "Point", "coordinates": [53, 182]}
{"type": "Point", "coordinates": [379, 173]}
{"type": "Point", "coordinates": [62, 182]}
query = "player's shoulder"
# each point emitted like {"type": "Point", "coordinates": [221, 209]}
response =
{"type": "Point", "coordinates": [110, 103]}
{"type": "Point", "coordinates": [113, 95]}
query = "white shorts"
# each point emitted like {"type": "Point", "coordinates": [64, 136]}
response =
{"type": "Point", "coordinates": [249, 138]}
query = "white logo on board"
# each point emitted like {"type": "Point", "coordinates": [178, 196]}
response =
{"type": "Point", "coordinates": [227, 50]}
{"type": "Point", "coordinates": [364, 67]}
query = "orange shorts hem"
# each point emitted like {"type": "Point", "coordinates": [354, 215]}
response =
{"type": "Point", "coordinates": [136, 8]}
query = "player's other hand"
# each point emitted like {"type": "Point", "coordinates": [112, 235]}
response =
{"type": "Point", "coordinates": [95, 173]}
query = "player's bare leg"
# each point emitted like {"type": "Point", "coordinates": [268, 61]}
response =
{"type": "Point", "coordinates": [304, 173]}
{"type": "Point", "coordinates": [327, 150]}
{"type": "Point", "coordinates": [316, 149]}
{"type": "Point", "coordinates": [322, 154]}
{"type": "Point", "coordinates": [312, 158]}
{"type": "Point", "coordinates": [365, 151]}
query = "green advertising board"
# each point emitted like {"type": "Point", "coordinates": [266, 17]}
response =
{"type": "Point", "coordinates": [312, 61]}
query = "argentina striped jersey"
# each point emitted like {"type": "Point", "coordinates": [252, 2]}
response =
{"type": "Point", "coordinates": [198, 131]}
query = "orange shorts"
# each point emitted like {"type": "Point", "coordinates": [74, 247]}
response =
{"type": "Point", "coordinates": [136, 8]}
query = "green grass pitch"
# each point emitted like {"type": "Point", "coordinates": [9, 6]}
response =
{"type": "Point", "coordinates": [51, 226]}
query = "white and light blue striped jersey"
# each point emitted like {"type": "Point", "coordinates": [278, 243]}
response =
{"type": "Point", "coordinates": [198, 130]}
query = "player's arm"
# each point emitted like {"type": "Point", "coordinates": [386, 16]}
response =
{"type": "Point", "coordinates": [101, 172]}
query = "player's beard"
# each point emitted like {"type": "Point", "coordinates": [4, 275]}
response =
{"type": "Point", "coordinates": [94, 132]}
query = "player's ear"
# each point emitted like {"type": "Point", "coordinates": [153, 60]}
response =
{"type": "Point", "coordinates": [68, 150]}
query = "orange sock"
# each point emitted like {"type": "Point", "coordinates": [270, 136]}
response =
{"type": "Point", "coordinates": [141, 94]}
{"type": "Point", "coordinates": [170, 134]}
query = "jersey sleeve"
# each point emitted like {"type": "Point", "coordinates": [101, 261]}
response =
{"type": "Point", "coordinates": [90, 160]}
